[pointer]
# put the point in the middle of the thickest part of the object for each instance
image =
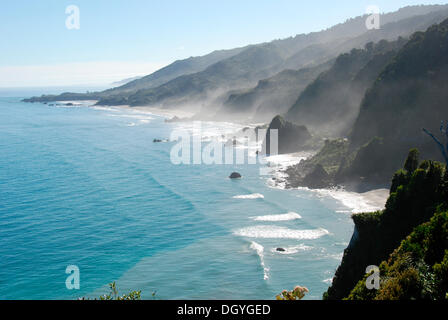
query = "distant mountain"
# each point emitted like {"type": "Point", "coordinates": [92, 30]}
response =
{"type": "Point", "coordinates": [198, 81]}
{"type": "Point", "coordinates": [330, 104]}
{"type": "Point", "coordinates": [245, 67]}
{"type": "Point", "coordinates": [124, 81]}
{"type": "Point", "coordinates": [242, 103]}
{"type": "Point", "coordinates": [174, 70]}
{"type": "Point", "coordinates": [271, 96]}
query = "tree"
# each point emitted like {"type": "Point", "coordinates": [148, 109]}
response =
{"type": "Point", "coordinates": [443, 148]}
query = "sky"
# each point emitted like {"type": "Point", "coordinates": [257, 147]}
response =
{"type": "Point", "coordinates": [119, 39]}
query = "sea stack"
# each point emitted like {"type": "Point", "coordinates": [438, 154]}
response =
{"type": "Point", "coordinates": [291, 137]}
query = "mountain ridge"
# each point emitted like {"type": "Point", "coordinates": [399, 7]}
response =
{"type": "Point", "coordinates": [134, 93]}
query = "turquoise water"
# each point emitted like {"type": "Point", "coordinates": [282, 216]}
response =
{"type": "Point", "coordinates": [88, 187]}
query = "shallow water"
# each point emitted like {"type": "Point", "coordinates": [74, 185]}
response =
{"type": "Point", "coordinates": [88, 187]}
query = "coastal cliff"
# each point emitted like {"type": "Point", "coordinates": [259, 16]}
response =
{"type": "Point", "coordinates": [418, 194]}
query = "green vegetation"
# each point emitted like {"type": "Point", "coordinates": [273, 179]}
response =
{"type": "Point", "coordinates": [114, 294]}
{"type": "Point", "coordinates": [417, 269]}
{"type": "Point", "coordinates": [320, 170]}
{"type": "Point", "coordinates": [330, 156]}
{"type": "Point", "coordinates": [297, 294]}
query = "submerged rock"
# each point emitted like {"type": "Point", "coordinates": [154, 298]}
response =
{"type": "Point", "coordinates": [160, 140]}
{"type": "Point", "coordinates": [235, 175]}
{"type": "Point", "coordinates": [281, 250]}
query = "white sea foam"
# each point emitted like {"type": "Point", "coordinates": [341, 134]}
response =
{"type": "Point", "coordinates": [101, 108]}
{"type": "Point", "coordinates": [260, 252]}
{"type": "Point", "coordinates": [357, 202]}
{"type": "Point", "coordinates": [279, 217]}
{"type": "Point", "coordinates": [275, 232]}
{"type": "Point", "coordinates": [286, 160]}
{"type": "Point", "coordinates": [250, 196]}
{"type": "Point", "coordinates": [276, 166]}
{"type": "Point", "coordinates": [132, 116]}
{"type": "Point", "coordinates": [210, 129]}
{"type": "Point", "coordinates": [328, 281]}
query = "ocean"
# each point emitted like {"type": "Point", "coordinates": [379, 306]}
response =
{"type": "Point", "coordinates": [87, 186]}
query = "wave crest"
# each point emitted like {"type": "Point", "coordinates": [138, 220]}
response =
{"type": "Point", "coordinates": [260, 252]}
{"type": "Point", "coordinates": [249, 196]}
{"type": "Point", "coordinates": [275, 232]}
{"type": "Point", "coordinates": [279, 217]}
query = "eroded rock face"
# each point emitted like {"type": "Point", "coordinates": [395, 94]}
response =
{"type": "Point", "coordinates": [291, 137]}
{"type": "Point", "coordinates": [235, 175]}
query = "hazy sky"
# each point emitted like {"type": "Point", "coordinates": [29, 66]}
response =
{"type": "Point", "coordinates": [118, 39]}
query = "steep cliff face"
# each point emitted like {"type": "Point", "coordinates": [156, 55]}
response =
{"type": "Point", "coordinates": [410, 94]}
{"type": "Point", "coordinates": [330, 104]}
{"type": "Point", "coordinates": [416, 195]}
{"type": "Point", "coordinates": [417, 269]}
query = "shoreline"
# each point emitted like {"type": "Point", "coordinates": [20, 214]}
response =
{"type": "Point", "coordinates": [368, 198]}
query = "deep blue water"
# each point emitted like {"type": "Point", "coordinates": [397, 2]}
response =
{"type": "Point", "coordinates": [88, 187]}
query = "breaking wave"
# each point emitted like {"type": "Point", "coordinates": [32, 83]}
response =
{"type": "Point", "coordinates": [275, 232]}
{"type": "Point", "coordinates": [250, 196]}
{"type": "Point", "coordinates": [260, 252]}
{"type": "Point", "coordinates": [279, 217]}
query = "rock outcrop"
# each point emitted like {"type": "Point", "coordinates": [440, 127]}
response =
{"type": "Point", "coordinates": [235, 175]}
{"type": "Point", "coordinates": [291, 137]}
